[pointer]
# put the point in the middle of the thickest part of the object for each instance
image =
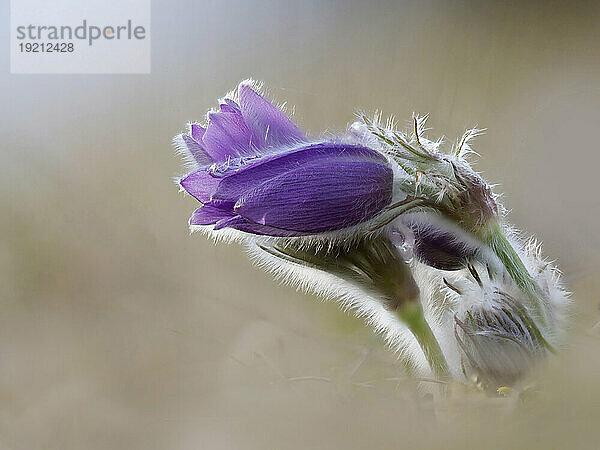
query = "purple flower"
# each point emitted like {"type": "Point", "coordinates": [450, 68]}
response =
{"type": "Point", "coordinates": [439, 243]}
{"type": "Point", "coordinates": [259, 173]}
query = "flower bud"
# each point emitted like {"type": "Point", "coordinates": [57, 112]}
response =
{"type": "Point", "coordinates": [499, 340]}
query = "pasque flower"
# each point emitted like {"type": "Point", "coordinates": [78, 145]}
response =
{"type": "Point", "coordinates": [258, 172]}
{"type": "Point", "coordinates": [387, 224]}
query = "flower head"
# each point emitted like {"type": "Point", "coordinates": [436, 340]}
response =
{"type": "Point", "coordinates": [257, 172]}
{"type": "Point", "coordinates": [500, 340]}
{"type": "Point", "coordinates": [395, 229]}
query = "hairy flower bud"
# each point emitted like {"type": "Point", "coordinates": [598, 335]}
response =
{"type": "Point", "coordinates": [258, 173]}
{"type": "Point", "coordinates": [499, 338]}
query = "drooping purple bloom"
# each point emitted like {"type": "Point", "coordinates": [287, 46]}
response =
{"type": "Point", "coordinates": [439, 244]}
{"type": "Point", "coordinates": [259, 173]}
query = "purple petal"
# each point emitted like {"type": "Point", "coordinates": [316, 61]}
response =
{"type": "Point", "coordinates": [247, 177]}
{"type": "Point", "coordinates": [226, 108]}
{"type": "Point", "coordinates": [438, 247]}
{"type": "Point", "coordinates": [196, 150]}
{"type": "Point", "coordinates": [256, 228]}
{"type": "Point", "coordinates": [200, 184]}
{"type": "Point", "coordinates": [209, 215]}
{"type": "Point", "coordinates": [241, 223]}
{"type": "Point", "coordinates": [227, 136]}
{"type": "Point", "coordinates": [270, 126]}
{"type": "Point", "coordinates": [229, 105]}
{"type": "Point", "coordinates": [230, 221]}
{"type": "Point", "coordinates": [320, 197]}
{"type": "Point", "coordinates": [197, 132]}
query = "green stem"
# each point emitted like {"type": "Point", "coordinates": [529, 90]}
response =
{"type": "Point", "coordinates": [493, 236]}
{"type": "Point", "coordinates": [412, 315]}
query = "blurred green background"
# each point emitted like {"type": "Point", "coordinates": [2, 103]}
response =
{"type": "Point", "coordinates": [120, 330]}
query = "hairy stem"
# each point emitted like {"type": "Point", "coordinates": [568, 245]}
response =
{"type": "Point", "coordinates": [374, 265]}
{"type": "Point", "coordinates": [494, 236]}
{"type": "Point", "coordinates": [412, 315]}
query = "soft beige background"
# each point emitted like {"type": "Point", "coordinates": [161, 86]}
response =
{"type": "Point", "coordinates": [120, 330]}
